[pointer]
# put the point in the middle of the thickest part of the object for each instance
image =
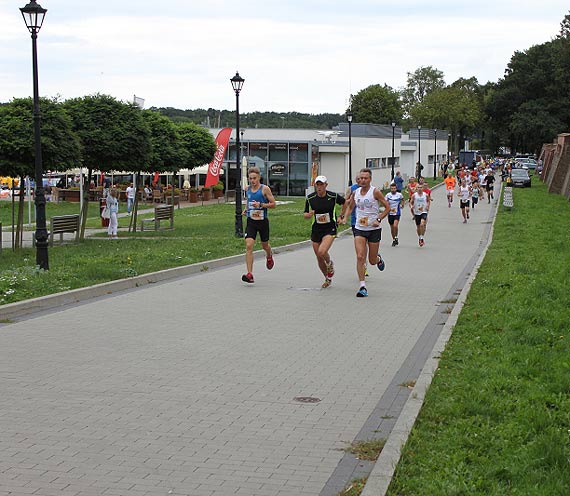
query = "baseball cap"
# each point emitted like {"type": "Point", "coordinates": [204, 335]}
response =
{"type": "Point", "coordinates": [321, 179]}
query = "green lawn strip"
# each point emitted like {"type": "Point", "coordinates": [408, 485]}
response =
{"type": "Point", "coordinates": [201, 233]}
{"type": "Point", "coordinates": [496, 420]}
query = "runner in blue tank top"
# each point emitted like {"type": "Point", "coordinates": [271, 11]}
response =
{"type": "Point", "coordinates": [259, 199]}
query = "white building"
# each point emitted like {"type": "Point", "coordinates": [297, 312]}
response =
{"type": "Point", "coordinates": [290, 159]}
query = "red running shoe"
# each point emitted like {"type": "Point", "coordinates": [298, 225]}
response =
{"type": "Point", "coordinates": [269, 262]}
{"type": "Point", "coordinates": [330, 270]}
{"type": "Point", "coordinates": [247, 277]}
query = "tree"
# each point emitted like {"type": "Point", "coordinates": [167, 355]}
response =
{"type": "Point", "coordinates": [113, 134]}
{"type": "Point", "coordinates": [197, 143]}
{"type": "Point", "coordinates": [531, 104]}
{"type": "Point", "coordinates": [457, 108]}
{"type": "Point", "coordinates": [60, 147]}
{"type": "Point", "coordinates": [376, 104]}
{"type": "Point", "coordinates": [421, 83]}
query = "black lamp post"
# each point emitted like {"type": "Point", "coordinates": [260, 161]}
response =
{"type": "Point", "coordinates": [349, 119]}
{"type": "Point", "coordinates": [393, 156]}
{"type": "Point", "coordinates": [237, 84]}
{"type": "Point", "coordinates": [33, 15]}
{"type": "Point", "coordinates": [419, 174]}
{"type": "Point", "coordinates": [434, 153]}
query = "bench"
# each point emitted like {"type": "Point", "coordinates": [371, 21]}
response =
{"type": "Point", "coordinates": [64, 224]}
{"type": "Point", "coordinates": [508, 198]}
{"type": "Point", "coordinates": [163, 212]}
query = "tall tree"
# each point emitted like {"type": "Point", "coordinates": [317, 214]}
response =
{"type": "Point", "coordinates": [60, 146]}
{"type": "Point", "coordinates": [113, 134]}
{"type": "Point", "coordinates": [421, 83]}
{"type": "Point", "coordinates": [377, 104]}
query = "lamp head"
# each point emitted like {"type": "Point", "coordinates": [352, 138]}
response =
{"type": "Point", "coordinates": [237, 83]}
{"type": "Point", "coordinates": [33, 15]}
{"type": "Point", "coordinates": [349, 116]}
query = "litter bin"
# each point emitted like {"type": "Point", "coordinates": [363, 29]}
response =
{"type": "Point", "coordinates": [102, 205]}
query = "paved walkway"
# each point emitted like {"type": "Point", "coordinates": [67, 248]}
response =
{"type": "Point", "coordinates": [189, 387]}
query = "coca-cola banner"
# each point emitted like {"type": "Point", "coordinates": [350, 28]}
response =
{"type": "Point", "coordinates": [215, 165]}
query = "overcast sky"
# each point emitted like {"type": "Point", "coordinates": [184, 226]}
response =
{"type": "Point", "coordinates": [295, 55]}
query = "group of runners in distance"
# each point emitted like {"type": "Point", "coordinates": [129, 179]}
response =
{"type": "Point", "coordinates": [367, 207]}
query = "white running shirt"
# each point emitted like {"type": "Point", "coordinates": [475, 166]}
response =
{"type": "Point", "coordinates": [367, 209]}
{"type": "Point", "coordinates": [420, 204]}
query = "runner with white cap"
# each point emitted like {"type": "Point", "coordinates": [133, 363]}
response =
{"type": "Point", "coordinates": [320, 206]}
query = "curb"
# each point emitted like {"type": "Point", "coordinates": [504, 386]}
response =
{"type": "Point", "coordinates": [50, 302]}
{"type": "Point", "coordinates": [381, 476]}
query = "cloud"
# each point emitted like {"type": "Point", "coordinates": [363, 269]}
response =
{"type": "Point", "coordinates": [297, 55]}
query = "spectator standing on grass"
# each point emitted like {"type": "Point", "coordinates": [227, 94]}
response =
{"type": "Point", "coordinates": [113, 206]}
{"type": "Point", "coordinates": [130, 197]}
{"type": "Point", "coordinates": [399, 181]}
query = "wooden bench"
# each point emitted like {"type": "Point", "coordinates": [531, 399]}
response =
{"type": "Point", "coordinates": [508, 198]}
{"type": "Point", "coordinates": [64, 224]}
{"type": "Point", "coordinates": [165, 212]}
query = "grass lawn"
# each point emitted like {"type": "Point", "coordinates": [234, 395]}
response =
{"type": "Point", "coordinates": [496, 420]}
{"type": "Point", "coordinates": [201, 233]}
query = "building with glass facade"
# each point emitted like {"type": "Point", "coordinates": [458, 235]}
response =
{"type": "Point", "coordinates": [290, 159]}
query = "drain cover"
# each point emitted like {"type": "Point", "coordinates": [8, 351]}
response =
{"type": "Point", "coordinates": [306, 399]}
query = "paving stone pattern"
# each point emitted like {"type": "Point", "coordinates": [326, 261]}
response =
{"type": "Point", "coordinates": [187, 387]}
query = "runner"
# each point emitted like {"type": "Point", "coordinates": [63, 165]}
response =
{"type": "Point", "coordinates": [464, 194]}
{"type": "Point", "coordinates": [450, 188]}
{"type": "Point", "coordinates": [367, 232]}
{"type": "Point", "coordinates": [320, 205]}
{"type": "Point", "coordinates": [412, 185]}
{"type": "Point", "coordinates": [396, 201]}
{"type": "Point", "coordinates": [259, 199]}
{"type": "Point", "coordinates": [490, 180]}
{"type": "Point", "coordinates": [348, 194]}
{"type": "Point", "coordinates": [420, 203]}
{"type": "Point", "coordinates": [475, 193]}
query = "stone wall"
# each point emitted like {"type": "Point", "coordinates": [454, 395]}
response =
{"type": "Point", "coordinates": [556, 162]}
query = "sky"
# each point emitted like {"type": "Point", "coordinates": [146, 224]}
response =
{"type": "Point", "coordinates": [306, 56]}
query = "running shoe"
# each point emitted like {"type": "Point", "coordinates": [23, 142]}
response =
{"type": "Point", "coordinates": [362, 292]}
{"type": "Point", "coordinates": [327, 283]}
{"type": "Point", "coordinates": [366, 274]}
{"type": "Point", "coordinates": [397, 242]}
{"type": "Point", "coordinates": [422, 242]}
{"type": "Point", "coordinates": [394, 242]}
{"type": "Point", "coordinates": [247, 277]}
{"type": "Point", "coordinates": [330, 270]}
{"type": "Point", "coordinates": [269, 262]}
{"type": "Point", "coordinates": [381, 265]}
{"type": "Point", "coordinates": [464, 221]}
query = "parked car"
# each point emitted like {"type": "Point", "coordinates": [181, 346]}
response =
{"type": "Point", "coordinates": [520, 177]}
{"type": "Point", "coordinates": [526, 163]}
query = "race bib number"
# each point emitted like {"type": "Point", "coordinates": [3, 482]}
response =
{"type": "Point", "coordinates": [420, 208]}
{"type": "Point", "coordinates": [393, 210]}
{"type": "Point", "coordinates": [323, 218]}
{"type": "Point", "coordinates": [257, 214]}
{"type": "Point", "coordinates": [363, 221]}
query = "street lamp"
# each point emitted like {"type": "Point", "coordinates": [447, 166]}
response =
{"type": "Point", "coordinates": [237, 84]}
{"type": "Point", "coordinates": [33, 15]}
{"type": "Point", "coordinates": [434, 153]}
{"type": "Point", "coordinates": [393, 157]}
{"type": "Point", "coordinates": [349, 116]}
{"type": "Point", "coordinates": [419, 174]}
